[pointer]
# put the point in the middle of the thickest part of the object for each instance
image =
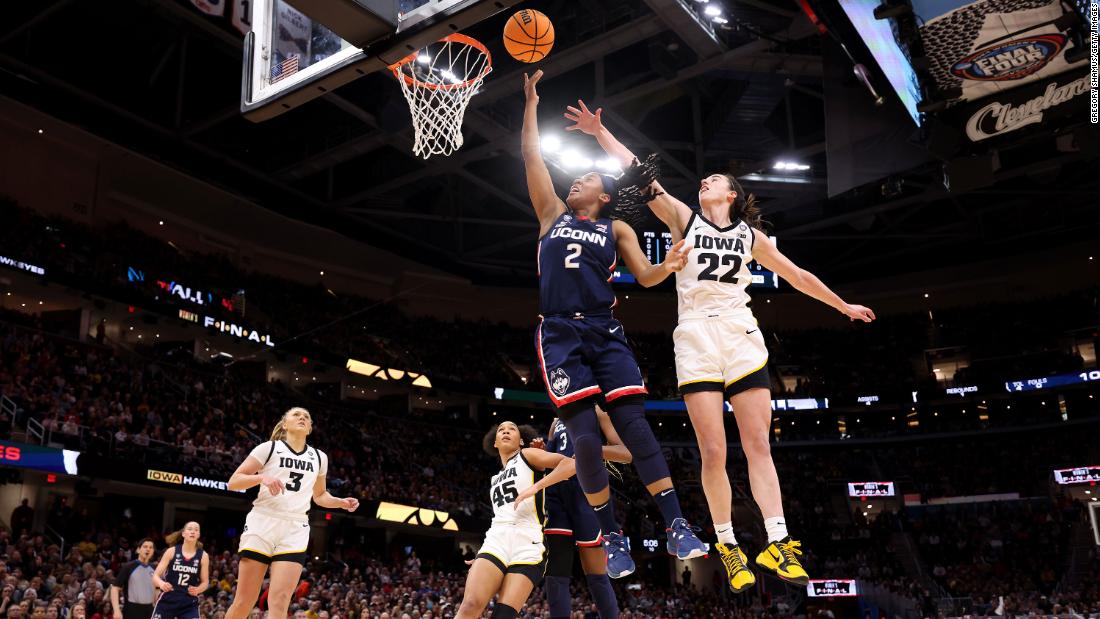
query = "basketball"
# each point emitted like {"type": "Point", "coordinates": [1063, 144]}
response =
{"type": "Point", "coordinates": [529, 35]}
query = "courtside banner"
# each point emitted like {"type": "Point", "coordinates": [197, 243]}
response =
{"type": "Point", "coordinates": [989, 47]}
{"type": "Point", "coordinates": [39, 458]}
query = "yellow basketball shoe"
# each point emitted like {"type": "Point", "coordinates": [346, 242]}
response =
{"type": "Point", "coordinates": [779, 558]}
{"type": "Point", "coordinates": [739, 574]}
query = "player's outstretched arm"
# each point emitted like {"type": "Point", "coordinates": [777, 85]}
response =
{"type": "Point", "coordinates": [564, 468]}
{"type": "Point", "coordinates": [539, 184]}
{"type": "Point", "coordinates": [647, 274]}
{"type": "Point", "coordinates": [322, 497]}
{"type": "Point", "coordinates": [614, 450]}
{"type": "Point", "coordinates": [767, 254]}
{"type": "Point", "coordinates": [672, 212]}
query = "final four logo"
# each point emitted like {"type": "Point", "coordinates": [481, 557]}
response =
{"type": "Point", "coordinates": [1010, 60]}
{"type": "Point", "coordinates": [559, 382]}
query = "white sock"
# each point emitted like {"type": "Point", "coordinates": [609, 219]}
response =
{"type": "Point", "coordinates": [725, 533]}
{"type": "Point", "coordinates": [776, 528]}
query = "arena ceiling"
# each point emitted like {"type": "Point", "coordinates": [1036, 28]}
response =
{"type": "Point", "coordinates": [163, 79]}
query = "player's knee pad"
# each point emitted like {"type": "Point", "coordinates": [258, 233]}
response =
{"type": "Point", "coordinates": [559, 559]}
{"type": "Point", "coordinates": [503, 611]}
{"type": "Point", "coordinates": [629, 420]}
{"type": "Point", "coordinates": [584, 431]}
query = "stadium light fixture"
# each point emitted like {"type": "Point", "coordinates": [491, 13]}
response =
{"type": "Point", "coordinates": [718, 19]}
{"type": "Point", "coordinates": [573, 160]}
{"type": "Point", "coordinates": [423, 59]}
{"type": "Point", "coordinates": [712, 10]}
{"type": "Point", "coordinates": [790, 166]}
{"type": "Point", "coordinates": [551, 143]}
{"type": "Point", "coordinates": [607, 164]}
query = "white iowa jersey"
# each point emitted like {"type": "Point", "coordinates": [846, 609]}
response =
{"type": "Point", "coordinates": [715, 280]}
{"type": "Point", "coordinates": [516, 476]}
{"type": "Point", "coordinates": [298, 472]}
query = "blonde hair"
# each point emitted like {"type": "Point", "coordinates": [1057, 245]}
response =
{"type": "Point", "coordinates": [279, 433]}
{"type": "Point", "coordinates": [174, 537]}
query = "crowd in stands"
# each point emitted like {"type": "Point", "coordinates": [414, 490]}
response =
{"type": "Point", "coordinates": [837, 362]}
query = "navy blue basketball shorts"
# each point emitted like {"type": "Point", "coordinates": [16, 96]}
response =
{"type": "Point", "coordinates": [568, 513]}
{"type": "Point", "coordinates": [176, 609]}
{"type": "Point", "coordinates": [586, 356]}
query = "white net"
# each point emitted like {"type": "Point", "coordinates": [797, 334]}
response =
{"type": "Point", "coordinates": [438, 82]}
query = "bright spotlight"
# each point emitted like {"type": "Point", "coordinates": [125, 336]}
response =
{"type": "Point", "coordinates": [712, 10]}
{"type": "Point", "coordinates": [551, 143]}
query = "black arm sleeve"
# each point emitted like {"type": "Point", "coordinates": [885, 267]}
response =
{"type": "Point", "coordinates": [122, 581]}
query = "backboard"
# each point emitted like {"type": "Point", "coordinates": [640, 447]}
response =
{"type": "Point", "coordinates": [300, 49]}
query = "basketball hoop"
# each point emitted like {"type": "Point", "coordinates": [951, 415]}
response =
{"type": "Point", "coordinates": [438, 82]}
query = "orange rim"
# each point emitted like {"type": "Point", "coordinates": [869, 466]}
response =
{"type": "Point", "coordinates": [450, 38]}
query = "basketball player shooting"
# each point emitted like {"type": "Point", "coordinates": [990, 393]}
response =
{"type": "Point", "coordinates": [581, 347]}
{"type": "Point", "coordinates": [720, 352]}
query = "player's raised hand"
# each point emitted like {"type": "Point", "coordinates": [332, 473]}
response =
{"type": "Point", "coordinates": [538, 443]}
{"type": "Point", "coordinates": [274, 485]}
{"type": "Point", "coordinates": [351, 504]}
{"type": "Point", "coordinates": [858, 312]}
{"type": "Point", "coordinates": [584, 120]}
{"type": "Point", "coordinates": [529, 86]}
{"type": "Point", "coordinates": [677, 257]}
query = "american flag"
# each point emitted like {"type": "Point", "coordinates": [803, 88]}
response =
{"type": "Point", "coordinates": [285, 68]}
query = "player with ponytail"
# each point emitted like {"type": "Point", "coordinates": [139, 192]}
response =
{"type": "Point", "coordinates": [720, 352]}
{"type": "Point", "coordinates": [291, 475]}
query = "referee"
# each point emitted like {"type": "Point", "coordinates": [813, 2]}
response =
{"type": "Point", "coordinates": [135, 580]}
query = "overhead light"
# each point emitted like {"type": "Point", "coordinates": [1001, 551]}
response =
{"type": "Point", "coordinates": [608, 164]}
{"type": "Point", "coordinates": [551, 143]}
{"type": "Point", "coordinates": [160, 223]}
{"type": "Point", "coordinates": [777, 178]}
{"type": "Point", "coordinates": [712, 10]}
{"type": "Point", "coordinates": [423, 59]}
{"type": "Point", "coordinates": [573, 160]}
{"type": "Point", "coordinates": [40, 132]}
{"type": "Point", "coordinates": [791, 166]}
{"type": "Point", "coordinates": [718, 19]}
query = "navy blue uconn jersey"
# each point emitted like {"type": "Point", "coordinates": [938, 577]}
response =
{"type": "Point", "coordinates": [576, 261]}
{"type": "Point", "coordinates": [183, 572]}
{"type": "Point", "coordinates": [560, 442]}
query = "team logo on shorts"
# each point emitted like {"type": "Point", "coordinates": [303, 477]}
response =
{"type": "Point", "coordinates": [559, 382]}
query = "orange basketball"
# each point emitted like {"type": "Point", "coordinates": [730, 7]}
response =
{"type": "Point", "coordinates": [528, 35]}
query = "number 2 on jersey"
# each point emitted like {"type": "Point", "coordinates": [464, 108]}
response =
{"type": "Point", "coordinates": [712, 265]}
{"type": "Point", "coordinates": [574, 253]}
